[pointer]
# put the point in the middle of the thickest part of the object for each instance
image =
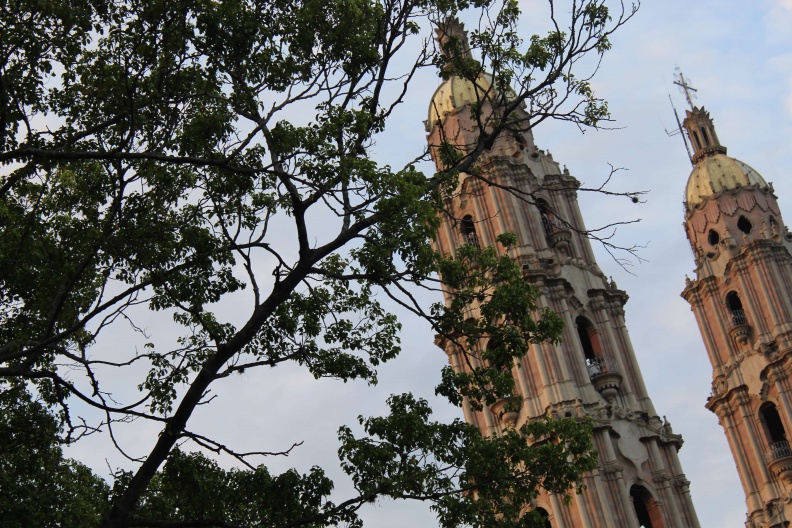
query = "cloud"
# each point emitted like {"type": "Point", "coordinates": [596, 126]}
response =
{"type": "Point", "coordinates": [785, 4]}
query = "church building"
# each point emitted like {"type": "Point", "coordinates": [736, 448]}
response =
{"type": "Point", "coordinates": [593, 372]}
{"type": "Point", "coordinates": [742, 299]}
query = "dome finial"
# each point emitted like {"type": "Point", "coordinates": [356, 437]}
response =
{"type": "Point", "coordinates": [698, 124]}
{"type": "Point", "coordinates": [452, 38]}
{"type": "Point", "coordinates": [685, 87]}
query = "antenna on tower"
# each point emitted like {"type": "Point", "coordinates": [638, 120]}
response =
{"type": "Point", "coordinates": [679, 131]}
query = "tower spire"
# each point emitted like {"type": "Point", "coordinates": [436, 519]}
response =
{"type": "Point", "coordinates": [452, 38]}
{"type": "Point", "coordinates": [698, 124]}
{"type": "Point", "coordinates": [685, 87]}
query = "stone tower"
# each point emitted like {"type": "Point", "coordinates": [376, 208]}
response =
{"type": "Point", "coordinates": [742, 299]}
{"type": "Point", "coordinates": [594, 372]}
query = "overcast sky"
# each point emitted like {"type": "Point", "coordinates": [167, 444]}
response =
{"type": "Point", "coordinates": [737, 54]}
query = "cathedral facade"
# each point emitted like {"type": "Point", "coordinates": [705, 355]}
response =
{"type": "Point", "coordinates": [593, 373]}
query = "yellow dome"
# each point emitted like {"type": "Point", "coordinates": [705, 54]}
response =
{"type": "Point", "coordinates": [716, 173]}
{"type": "Point", "coordinates": [455, 93]}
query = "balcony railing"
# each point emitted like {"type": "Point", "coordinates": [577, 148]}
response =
{"type": "Point", "coordinates": [779, 450]}
{"type": "Point", "coordinates": [779, 460]}
{"type": "Point", "coordinates": [600, 365]}
{"type": "Point", "coordinates": [472, 239]}
{"type": "Point", "coordinates": [552, 225]}
{"type": "Point", "coordinates": [738, 318]}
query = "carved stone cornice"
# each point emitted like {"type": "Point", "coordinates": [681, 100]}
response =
{"type": "Point", "coordinates": [727, 403]}
{"type": "Point", "coordinates": [737, 266]}
{"type": "Point", "coordinates": [783, 343]}
{"type": "Point", "coordinates": [610, 300]}
{"type": "Point", "coordinates": [603, 415]}
{"type": "Point", "coordinates": [776, 371]}
{"type": "Point", "coordinates": [701, 289]}
{"type": "Point", "coordinates": [722, 411]}
{"type": "Point", "coordinates": [758, 251]}
{"type": "Point", "coordinates": [681, 483]}
{"type": "Point", "coordinates": [660, 475]}
{"type": "Point", "coordinates": [447, 345]}
{"type": "Point", "coordinates": [541, 268]}
{"type": "Point", "coordinates": [564, 183]}
{"type": "Point", "coordinates": [761, 250]}
{"type": "Point", "coordinates": [557, 290]}
{"type": "Point", "coordinates": [514, 167]}
{"type": "Point", "coordinates": [740, 396]}
{"type": "Point", "coordinates": [612, 469]}
{"type": "Point", "coordinates": [710, 286]}
{"type": "Point", "coordinates": [691, 293]}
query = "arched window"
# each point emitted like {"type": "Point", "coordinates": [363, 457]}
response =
{"type": "Point", "coordinates": [549, 222]}
{"type": "Point", "coordinates": [736, 308]}
{"type": "Point", "coordinates": [468, 228]}
{"type": "Point", "coordinates": [646, 508]}
{"type": "Point", "coordinates": [589, 339]}
{"type": "Point", "coordinates": [696, 140]}
{"type": "Point", "coordinates": [713, 237]}
{"type": "Point", "coordinates": [596, 363]}
{"type": "Point", "coordinates": [771, 421]}
{"type": "Point", "coordinates": [733, 301]}
{"type": "Point", "coordinates": [545, 516]}
{"type": "Point", "coordinates": [706, 136]}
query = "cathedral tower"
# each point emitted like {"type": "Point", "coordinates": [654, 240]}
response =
{"type": "Point", "coordinates": [593, 372]}
{"type": "Point", "coordinates": [742, 299]}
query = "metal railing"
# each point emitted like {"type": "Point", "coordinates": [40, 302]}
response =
{"type": "Point", "coordinates": [600, 365]}
{"type": "Point", "coordinates": [472, 239]}
{"type": "Point", "coordinates": [738, 318]}
{"type": "Point", "coordinates": [552, 224]}
{"type": "Point", "coordinates": [778, 450]}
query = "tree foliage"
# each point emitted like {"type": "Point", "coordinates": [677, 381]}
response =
{"type": "Point", "coordinates": [38, 486]}
{"type": "Point", "coordinates": [155, 152]}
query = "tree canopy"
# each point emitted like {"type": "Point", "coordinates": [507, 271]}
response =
{"type": "Point", "coordinates": [175, 156]}
{"type": "Point", "coordinates": [38, 486]}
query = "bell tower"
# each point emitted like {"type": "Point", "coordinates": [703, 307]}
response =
{"type": "Point", "coordinates": [742, 300]}
{"type": "Point", "coordinates": [593, 372]}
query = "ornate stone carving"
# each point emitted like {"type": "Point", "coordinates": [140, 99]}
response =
{"type": "Point", "coordinates": [775, 372]}
{"type": "Point", "coordinates": [709, 286]}
{"type": "Point", "coordinates": [740, 396]}
{"type": "Point", "coordinates": [723, 411]}
{"type": "Point", "coordinates": [612, 467]}
{"type": "Point", "coordinates": [660, 476]}
{"type": "Point", "coordinates": [681, 483]}
{"type": "Point", "coordinates": [769, 350]}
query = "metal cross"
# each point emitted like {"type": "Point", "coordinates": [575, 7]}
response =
{"type": "Point", "coordinates": [685, 87]}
